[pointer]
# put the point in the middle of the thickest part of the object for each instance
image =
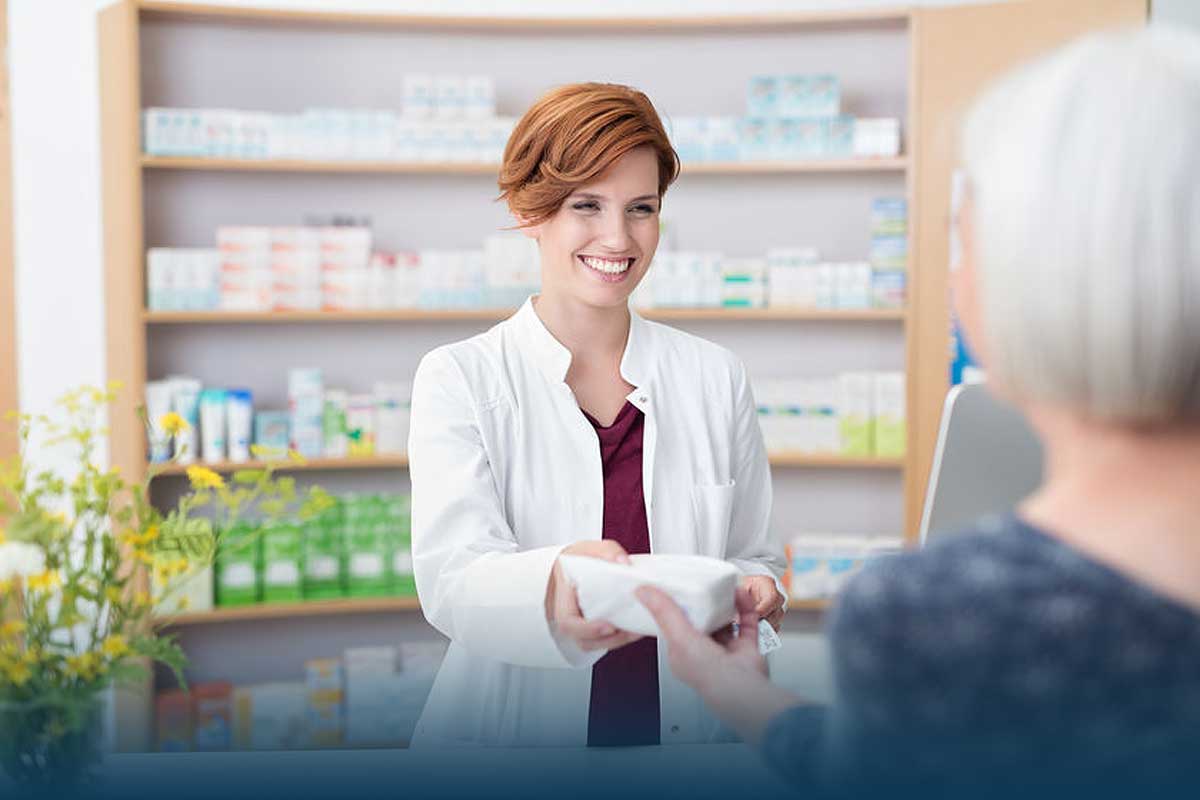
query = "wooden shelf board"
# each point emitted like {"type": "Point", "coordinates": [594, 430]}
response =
{"type": "Point", "coordinates": [495, 314]}
{"type": "Point", "coordinates": [306, 165]}
{"type": "Point", "coordinates": [876, 164]}
{"type": "Point", "coordinates": [298, 609]}
{"type": "Point", "coordinates": [816, 165]}
{"type": "Point", "coordinates": [790, 459]}
{"type": "Point", "coordinates": [777, 459]}
{"type": "Point", "coordinates": [310, 464]}
{"type": "Point", "coordinates": [782, 314]}
{"type": "Point", "coordinates": [819, 604]}
{"type": "Point", "coordinates": [581, 24]}
{"type": "Point", "coordinates": [368, 315]}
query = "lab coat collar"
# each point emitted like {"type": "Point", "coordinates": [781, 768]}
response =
{"type": "Point", "coordinates": [553, 359]}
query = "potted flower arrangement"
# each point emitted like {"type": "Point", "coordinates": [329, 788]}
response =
{"type": "Point", "coordinates": [86, 565]}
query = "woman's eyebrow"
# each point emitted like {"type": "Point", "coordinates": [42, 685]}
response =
{"type": "Point", "coordinates": [593, 196]}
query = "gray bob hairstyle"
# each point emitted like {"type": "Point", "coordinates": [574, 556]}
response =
{"type": "Point", "coordinates": [1084, 170]}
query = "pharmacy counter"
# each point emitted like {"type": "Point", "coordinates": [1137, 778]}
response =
{"type": "Point", "coordinates": [695, 772]}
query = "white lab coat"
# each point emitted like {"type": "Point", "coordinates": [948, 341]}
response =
{"type": "Point", "coordinates": [506, 472]}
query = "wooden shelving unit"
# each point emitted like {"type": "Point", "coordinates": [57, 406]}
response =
{"type": "Point", "coordinates": [496, 314]}
{"type": "Point", "coordinates": [296, 610]}
{"type": "Point", "coordinates": [896, 164]}
{"type": "Point", "coordinates": [133, 219]}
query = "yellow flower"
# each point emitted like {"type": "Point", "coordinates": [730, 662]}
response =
{"type": "Point", "coordinates": [295, 456]}
{"type": "Point", "coordinates": [85, 665]}
{"type": "Point", "coordinates": [18, 673]}
{"type": "Point", "coordinates": [143, 556]}
{"type": "Point", "coordinates": [172, 423]}
{"type": "Point", "coordinates": [1, 536]}
{"type": "Point", "coordinates": [47, 581]}
{"type": "Point", "coordinates": [184, 604]}
{"type": "Point", "coordinates": [6, 586]}
{"type": "Point", "coordinates": [11, 629]}
{"type": "Point", "coordinates": [115, 646]}
{"type": "Point", "coordinates": [204, 478]}
{"type": "Point", "coordinates": [113, 594]}
{"type": "Point", "coordinates": [139, 539]}
{"type": "Point", "coordinates": [142, 598]}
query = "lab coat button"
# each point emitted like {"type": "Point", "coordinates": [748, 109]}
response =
{"type": "Point", "coordinates": [674, 729]}
{"type": "Point", "coordinates": [643, 399]}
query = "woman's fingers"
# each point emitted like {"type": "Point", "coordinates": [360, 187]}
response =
{"type": "Point", "coordinates": [612, 551]}
{"type": "Point", "coordinates": [743, 599]}
{"type": "Point", "coordinates": [747, 622]}
{"type": "Point", "coordinates": [673, 624]}
{"type": "Point", "coordinates": [582, 630]}
{"type": "Point", "coordinates": [604, 549]}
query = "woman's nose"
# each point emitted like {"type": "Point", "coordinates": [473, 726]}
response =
{"type": "Point", "coordinates": [615, 235]}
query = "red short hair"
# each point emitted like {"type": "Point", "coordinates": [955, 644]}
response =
{"type": "Point", "coordinates": [571, 136]}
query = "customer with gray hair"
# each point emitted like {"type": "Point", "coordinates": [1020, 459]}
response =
{"type": "Point", "coordinates": [1060, 642]}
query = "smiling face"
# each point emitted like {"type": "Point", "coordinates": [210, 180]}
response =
{"type": "Point", "coordinates": [597, 247]}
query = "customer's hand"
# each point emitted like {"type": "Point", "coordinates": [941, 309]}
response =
{"type": "Point", "coordinates": [562, 604]}
{"type": "Point", "coordinates": [730, 675]}
{"type": "Point", "coordinates": [768, 602]}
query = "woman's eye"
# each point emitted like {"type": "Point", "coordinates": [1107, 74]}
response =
{"type": "Point", "coordinates": [643, 210]}
{"type": "Point", "coordinates": [586, 205]}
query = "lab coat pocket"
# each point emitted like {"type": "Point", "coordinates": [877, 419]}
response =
{"type": "Point", "coordinates": [713, 507]}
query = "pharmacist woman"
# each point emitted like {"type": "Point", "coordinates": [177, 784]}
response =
{"type": "Point", "coordinates": [577, 427]}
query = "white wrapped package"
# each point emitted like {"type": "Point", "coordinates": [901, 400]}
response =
{"type": "Point", "coordinates": [703, 587]}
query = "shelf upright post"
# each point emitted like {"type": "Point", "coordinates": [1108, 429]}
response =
{"type": "Point", "coordinates": [125, 332]}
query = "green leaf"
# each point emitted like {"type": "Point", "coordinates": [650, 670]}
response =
{"type": "Point", "coordinates": [128, 672]}
{"type": "Point", "coordinates": [248, 477]}
{"type": "Point", "coordinates": [165, 650]}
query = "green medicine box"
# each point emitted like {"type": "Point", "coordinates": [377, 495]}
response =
{"type": "Point", "coordinates": [237, 574]}
{"type": "Point", "coordinates": [365, 525]}
{"type": "Point", "coordinates": [282, 562]}
{"type": "Point", "coordinates": [399, 520]}
{"type": "Point", "coordinates": [324, 556]}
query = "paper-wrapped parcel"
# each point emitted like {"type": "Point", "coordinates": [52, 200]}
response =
{"type": "Point", "coordinates": [703, 587]}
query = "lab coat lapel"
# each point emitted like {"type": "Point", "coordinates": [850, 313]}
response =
{"type": "Point", "coordinates": [637, 368]}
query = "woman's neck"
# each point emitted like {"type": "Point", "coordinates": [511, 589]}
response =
{"type": "Point", "coordinates": [1129, 498]}
{"type": "Point", "coordinates": [590, 333]}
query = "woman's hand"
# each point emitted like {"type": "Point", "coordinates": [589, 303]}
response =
{"type": "Point", "coordinates": [768, 602]}
{"type": "Point", "coordinates": [730, 676]}
{"type": "Point", "coordinates": [562, 605]}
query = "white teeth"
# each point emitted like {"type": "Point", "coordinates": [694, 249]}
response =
{"type": "Point", "coordinates": [604, 265]}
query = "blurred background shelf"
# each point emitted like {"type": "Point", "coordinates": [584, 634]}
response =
{"type": "Point", "coordinates": [294, 610]}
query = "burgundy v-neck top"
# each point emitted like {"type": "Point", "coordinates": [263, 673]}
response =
{"type": "Point", "coordinates": [624, 708]}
